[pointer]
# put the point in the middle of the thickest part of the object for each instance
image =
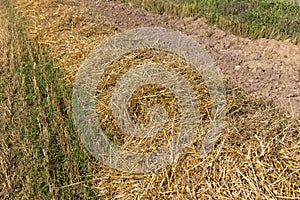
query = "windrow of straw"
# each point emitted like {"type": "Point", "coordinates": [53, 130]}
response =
{"type": "Point", "coordinates": [256, 157]}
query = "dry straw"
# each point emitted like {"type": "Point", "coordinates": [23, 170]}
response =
{"type": "Point", "coordinates": [69, 29]}
{"type": "Point", "coordinates": [257, 156]}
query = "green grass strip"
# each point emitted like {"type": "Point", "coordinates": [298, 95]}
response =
{"type": "Point", "coordinates": [254, 19]}
{"type": "Point", "coordinates": [39, 145]}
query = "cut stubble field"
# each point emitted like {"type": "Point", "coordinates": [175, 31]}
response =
{"type": "Point", "coordinates": [43, 44]}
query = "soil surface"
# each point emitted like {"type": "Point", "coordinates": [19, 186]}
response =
{"type": "Point", "coordinates": [265, 67]}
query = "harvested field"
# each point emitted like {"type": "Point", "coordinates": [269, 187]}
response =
{"type": "Point", "coordinates": [256, 157]}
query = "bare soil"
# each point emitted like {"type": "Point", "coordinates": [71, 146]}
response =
{"type": "Point", "coordinates": [265, 67]}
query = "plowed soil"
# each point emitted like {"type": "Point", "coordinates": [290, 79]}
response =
{"type": "Point", "coordinates": [265, 67]}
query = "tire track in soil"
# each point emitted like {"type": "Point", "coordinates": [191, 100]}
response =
{"type": "Point", "coordinates": [265, 67]}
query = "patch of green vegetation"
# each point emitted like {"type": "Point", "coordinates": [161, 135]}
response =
{"type": "Point", "coordinates": [40, 149]}
{"type": "Point", "coordinates": [255, 19]}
